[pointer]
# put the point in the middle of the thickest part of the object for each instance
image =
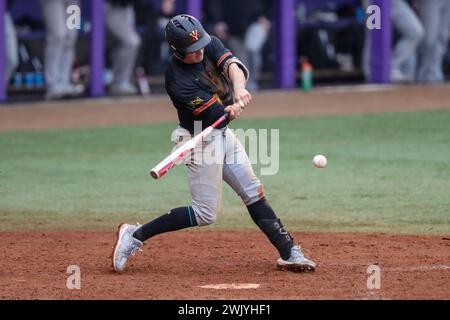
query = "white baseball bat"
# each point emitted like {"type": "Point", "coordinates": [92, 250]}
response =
{"type": "Point", "coordinates": [169, 162]}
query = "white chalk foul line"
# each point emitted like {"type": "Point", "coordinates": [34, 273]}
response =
{"type": "Point", "coordinates": [412, 268]}
{"type": "Point", "coordinates": [231, 286]}
{"type": "Point", "coordinates": [419, 268]}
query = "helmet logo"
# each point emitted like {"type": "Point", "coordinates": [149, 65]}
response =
{"type": "Point", "coordinates": [195, 35]}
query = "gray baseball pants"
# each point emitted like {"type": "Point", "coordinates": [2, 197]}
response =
{"type": "Point", "coordinates": [221, 157]}
{"type": "Point", "coordinates": [60, 46]}
{"type": "Point", "coordinates": [407, 23]}
{"type": "Point", "coordinates": [120, 23]}
{"type": "Point", "coordinates": [435, 17]}
{"type": "Point", "coordinates": [12, 58]}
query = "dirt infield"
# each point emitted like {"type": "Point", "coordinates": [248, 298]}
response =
{"type": "Point", "coordinates": [267, 104]}
{"type": "Point", "coordinates": [175, 265]}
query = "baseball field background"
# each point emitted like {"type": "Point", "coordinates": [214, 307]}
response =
{"type": "Point", "coordinates": [71, 172]}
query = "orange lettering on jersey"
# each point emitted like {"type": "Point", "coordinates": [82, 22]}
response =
{"type": "Point", "coordinates": [195, 102]}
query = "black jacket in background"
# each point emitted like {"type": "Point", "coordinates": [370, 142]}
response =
{"type": "Point", "coordinates": [237, 14]}
{"type": "Point", "coordinates": [121, 3]}
{"type": "Point", "coordinates": [9, 4]}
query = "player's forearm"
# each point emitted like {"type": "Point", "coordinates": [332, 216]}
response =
{"type": "Point", "coordinates": [237, 77]}
{"type": "Point", "coordinates": [241, 96]}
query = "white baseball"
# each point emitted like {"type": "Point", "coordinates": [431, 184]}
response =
{"type": "Point", "coordinates": [320, 161]}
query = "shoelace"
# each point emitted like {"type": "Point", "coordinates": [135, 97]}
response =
{"type": "Point", "coordinates": [134, 247]}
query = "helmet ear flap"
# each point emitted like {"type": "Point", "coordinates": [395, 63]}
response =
{"type": "Point", "coordinates": [178, 53]}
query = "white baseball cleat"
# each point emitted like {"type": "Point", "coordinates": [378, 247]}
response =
{"type": "Point", "coordinates": [125, 246]}
{"type": "Point", "coordinates": [297, 262]}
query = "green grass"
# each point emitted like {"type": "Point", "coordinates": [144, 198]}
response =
{"type": "Point", "coordinates": [386, 173]}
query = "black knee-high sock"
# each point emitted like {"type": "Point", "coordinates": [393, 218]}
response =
{"type": "Point", "coordinates": [266, 219]}
{"type": "Point", "coordinates": [261, 210]}
{"type": "Point", "coordinates": [175, 219]}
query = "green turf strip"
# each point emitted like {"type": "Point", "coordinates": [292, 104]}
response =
{"type": "Point", "coordinates": [385, 173]}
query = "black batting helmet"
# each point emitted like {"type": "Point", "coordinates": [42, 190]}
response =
{"type": "Point", "coordinates": [185, 34]}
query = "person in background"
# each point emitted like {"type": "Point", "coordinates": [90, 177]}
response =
{"type": "Point", "coordinates": [408, 25]}
{"type": "Point", "coordinates": [166, 12]}
{"type": "Point", "coordinates": [155, 52]}
{"type": "Point", "coordinates": [435, 17]}
{"type": "Point", "coordinates": [245, 35]}
{"type": "Point", "coordinates": [11, 54]}
{"type": "Point", "coordinates": [120, 23]}
{"type": "Point", "coordinates": [404, 54]}
{"type": "Point", "coordinates": [59, 50]}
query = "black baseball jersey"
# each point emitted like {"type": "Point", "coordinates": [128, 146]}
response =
{"type": "Point", "coordinates": [200, 91]}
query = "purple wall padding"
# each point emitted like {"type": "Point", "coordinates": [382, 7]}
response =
{"type": "Point", "coordinates": [194, 8]}
{"type": "Point", "coordinates": [2, 51]}
{"type": "Point", "coordinates": [286, 27]}
{"type": "Point", "coordinates": [97, 48]}
{"type": "Point", "coordinates": [381, 45]}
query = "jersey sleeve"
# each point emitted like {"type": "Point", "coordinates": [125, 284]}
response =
{"type": "Point", "coordinates": [222, 57]}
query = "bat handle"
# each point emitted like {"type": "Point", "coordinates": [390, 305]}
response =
{"type": "Point", "coordinates": [220, 120]}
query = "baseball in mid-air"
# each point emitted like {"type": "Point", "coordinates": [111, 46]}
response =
{"type": "Point", "coordinates": [320, 161]}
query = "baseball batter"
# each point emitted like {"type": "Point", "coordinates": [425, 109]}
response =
{"type": "Point", "coordinates": [204, 80]}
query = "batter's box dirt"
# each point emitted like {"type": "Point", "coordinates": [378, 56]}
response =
{"type": "Point", "coordinates": [180, 265]}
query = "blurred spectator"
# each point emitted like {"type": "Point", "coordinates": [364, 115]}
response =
{"type": "Point", "coordinates": [435, 16]}
{"type": "Point", "coordinates": [59, 50]}
{"type": "Point", "coordinates": [404, 54]}
{"type": "Point", "coordinates": [120, 23]}
{"type": "Point", "coordinates": [243, 26]}
{"type": "Point", "coordinates": [410, 30]}
{"type": "Point", "coordinates": [155, 15]}
{"type": "Point", "coordinates": [11, 54]}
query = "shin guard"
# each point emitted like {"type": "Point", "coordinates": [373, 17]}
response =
{"type": "Point", "coordinates": [282, 240]}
